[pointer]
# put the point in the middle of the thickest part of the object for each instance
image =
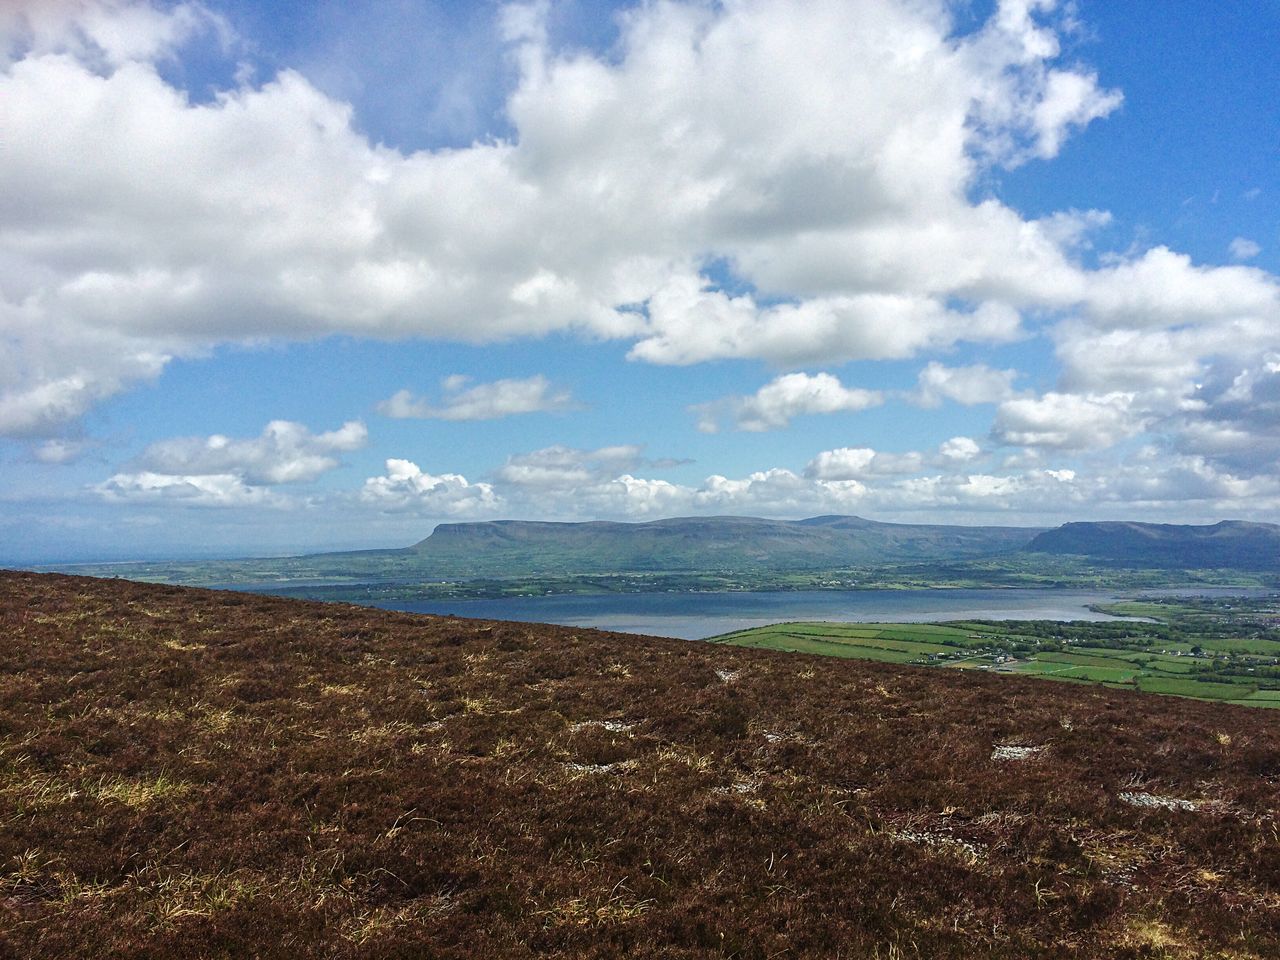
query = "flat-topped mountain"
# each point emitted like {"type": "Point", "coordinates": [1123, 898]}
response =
{"type": "Point", "coordinates": [1231, 543]}
{"type": "Point", "coordinates": [709, 543]}
{"type": "Point", "coordinates": [190, 773]}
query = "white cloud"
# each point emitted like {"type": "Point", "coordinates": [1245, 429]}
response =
{"type": "Point", "coordinates": [42, 407]}
{"type": "Point", "coordinates": [106, 32]}
{"type": "Point", "coordinates": [406, 487]}
{"type": "Point", "coordinates": [635, 497]}
{"type": "Point", "coordinates": [1160, 361]}
{"type": "Point", "coordinates": [826, 151]}
{"type": "Point", "coordinates": [225, 472]}
{"type": "Point", "coordinates": [565, 484]}
{"type": "Point", "coordinates": [206, 490]}
{"type": "Point", "coordinates": [689, 322]}
{"type": "Point", "coordinates": [1162, 288]}
{"type": "Point", "coordinates": [285, 452]}
{"type": "Point", "coordinates": [773, 492]}
{"type": "Point", "coordinates": [1242, 248]}
{"type": "Point", "coordinates": [1066, 421]}
{"type": "Point", "coordinates": [861, 463]}
{"type": "Point", "coordinates": [959, 450]}
{"type": "Point", "coordinates": [484, 401]}
{"type": "Point", "coordinates": [965, 385]}
{"type": "Point", "coordinates": [567, 467]}
{"type": "Point", "coordinates": [1233, 417]}
{"type": "Point", "coordinates": [282, 221]}
{"type": "Point", "coordinates": [775, 404]}
{"type": "Point", "coordinates": [61, 450]}
{"type": "Point", "coordinates": [1024, 120]}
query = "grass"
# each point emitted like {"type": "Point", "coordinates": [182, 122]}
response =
{"type": "Point", "coordinates": [1266, 648]}
{"type": "Point", "coordinates": [204, 774]}
{"type": "Point", "coordinates": [1068, 671]}
{"type": "Point", "coordinates": [1082, 659]}
{"type": "Point", "coordinates": [1066, 652]}
{"type": "Point", "coordinates": [1200, 689]}
{"type": "Point", "coordinates": [800, 643]}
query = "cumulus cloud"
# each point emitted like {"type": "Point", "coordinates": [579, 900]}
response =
{"type": "Point", "coordinates": [406, 487]}
{"type": "Point", "coordinates": [141, 226]}
{"type": "Point", "coordinates": [565, 484]}
{"type": "Point", "coordinates": [959, 450]}
{"type": "Point", "coordinates": [62, 450]}
{"type": "Point", "coordinates": [107, 32]}
{"type": "Point", "coordinates": [484, 401]}
{"type": "Point", "coordinates": [964, 385]}
{"type": "Point", "coordinates": [634, 498]}
{"type": "Point", "coordinates": [35, 407]}
{"type": "Point", "coordinates": [207, 490]}
{"type": "Point", "coordinates": [567, 467]}
{"type": "Point", "coordinates": [222, 471]}
{"type": "Point", "coordinates": [860, 463]}
{"type": "Point", "coordinates": [1242, 248]}
{"type": "Point", "coordinates": [285, 452]}
{"type": "Point", "coordinates": [1067, 421]}
{"type": "Point", "coordinates": [1233, 417]}
{"type": "Point", "coordinates": [1164, 362]}
{"type": "Point", "coordinates": [689, 322]}
{"type": "Point", "coordinates": [1163, 288]}
{"type": "Point", "coordinates": [775, 404]}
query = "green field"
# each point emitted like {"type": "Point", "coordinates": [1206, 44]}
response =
{"type": "Point", "coordinates": [1197, 648]}
{"type": "Point", "coordinates": [890, 642]}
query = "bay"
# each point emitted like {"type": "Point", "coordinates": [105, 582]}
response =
{"type": "Point", "coordinates": [693, 616]}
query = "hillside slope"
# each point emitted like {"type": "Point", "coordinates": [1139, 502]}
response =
{"type": "Point", "coordinates": [705, 543]}
{"type": "Point", "coordinates": [1230, 544]}
{"type": "Point", "coordinates": [194, 773]}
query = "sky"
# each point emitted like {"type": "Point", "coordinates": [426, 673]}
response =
{"type": "Point", "coordinates": [296, 276]}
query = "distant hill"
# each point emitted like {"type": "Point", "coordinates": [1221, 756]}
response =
{"type": "Point", "coordinates": [706, 543]}
{"type": "Point", "coordinates": [188, 773]}
{"type": "Point", "coordinates": [1232, 544]}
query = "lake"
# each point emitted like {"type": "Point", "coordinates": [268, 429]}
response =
{"type": "Point", "coordinates": [693, 616]}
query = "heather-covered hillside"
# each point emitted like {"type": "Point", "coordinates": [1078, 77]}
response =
{"type": "Point", "coordinates": [193, 773]}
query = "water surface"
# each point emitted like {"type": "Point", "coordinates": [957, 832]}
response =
{"type": "Point", "coordinates": [693, 616]}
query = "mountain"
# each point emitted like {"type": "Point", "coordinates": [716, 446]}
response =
{"type": "Point", "coordinates": [1229, 544]}
{"type": "Point", "coordinates": [705, 543]}
{"type": "Point", "coordinates": [192, 773]}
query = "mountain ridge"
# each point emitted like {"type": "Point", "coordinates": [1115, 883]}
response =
{"type": "Point", "coordinates": [1239, 544]}
{"type": "Point", "coordinates": [701, 543]}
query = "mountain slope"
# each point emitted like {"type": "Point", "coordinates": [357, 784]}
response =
{"type": "Point", "coordinates": [193, 773]}
{"type": "Point", "coordinates": [704, 543]}
{"type": "Point", "coordinates": [1230, 544]}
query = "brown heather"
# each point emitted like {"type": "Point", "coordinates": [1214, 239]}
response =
{"type": "Point", "coordinates": [189, 774]}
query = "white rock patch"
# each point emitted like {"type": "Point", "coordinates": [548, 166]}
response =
{"type": "Point", "coordinates": [613, 726]}
{"type": "Point", "coordinates": [599, 767]}
{"type": "Point", "coordinates": [1011, 752]}
{"type": "Point", "coordinates": [1143, 799]}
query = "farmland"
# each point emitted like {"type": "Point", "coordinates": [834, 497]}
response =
{"type": "Point", "coordinates": [1225, 650]}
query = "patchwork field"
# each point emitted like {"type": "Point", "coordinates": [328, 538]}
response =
{"type": "Point", "coordinates": [1192, 652]}
{"type": "Point", "coordinates": [187, 773]}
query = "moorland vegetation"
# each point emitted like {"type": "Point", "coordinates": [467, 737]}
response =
{"type": "Point", "coordinates": [199, 773]}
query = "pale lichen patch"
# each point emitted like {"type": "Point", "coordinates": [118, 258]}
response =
{"type": "Point", "coordinates": [1140, 798]}
{"type": "Point", "coordinates": [1009, 751]}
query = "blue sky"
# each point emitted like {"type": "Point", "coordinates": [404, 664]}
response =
{"type": "Point", "coordinates": [298, 276]}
